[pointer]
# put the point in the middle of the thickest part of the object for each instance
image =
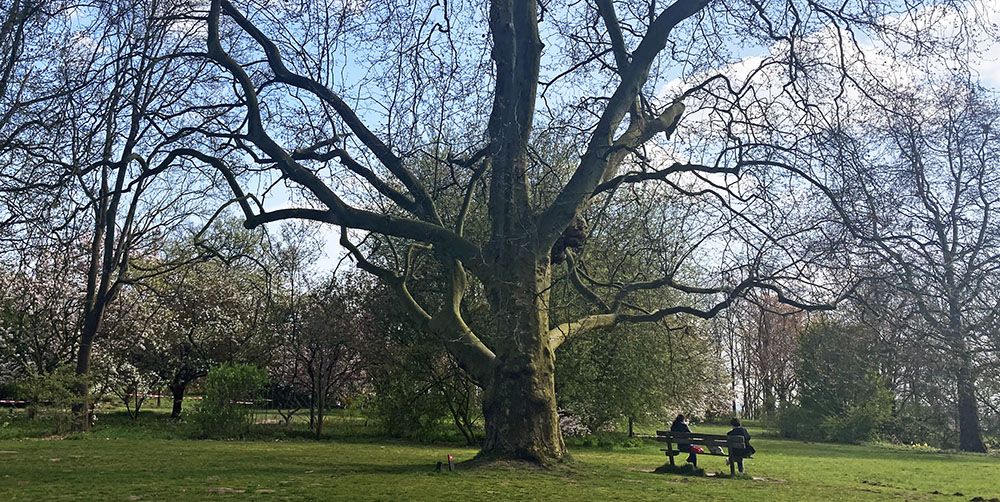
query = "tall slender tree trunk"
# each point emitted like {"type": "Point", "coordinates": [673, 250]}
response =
{"type": "Point", "coordinates": [970, 437]}
{"type": "Point", "coordinates": [519, 402]}
{"type": "Point", "coordinates": [320, 406]}
{"type": "Point", "coordinates": [81, 407]}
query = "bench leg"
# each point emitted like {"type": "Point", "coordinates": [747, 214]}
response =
{"type": "Point", "coordinates": [670, 452]}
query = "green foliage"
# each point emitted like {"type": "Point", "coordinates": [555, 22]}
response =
{"type": "Point", "coordinates": [841, 396]}
{"type": "Point", "coordinates": [605, 440]}
{"type": "Point", "coordinates": [416, 389]}
{"type": "Point", "coordinates": [8, 390]}
{"type": "Point", "coordinates": [419, 393]}
{"type": "Point", "coordinates": [640, 371]}
{"type": "Point", "coordinates": [54, 395]}
{"type": "Point", "coordinates": [227, 408]}
{"type": "Point", "coordinates": [405, 408]}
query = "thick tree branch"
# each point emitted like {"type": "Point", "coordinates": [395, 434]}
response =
{"type": "Point", "coordinates": [603, 153]}
{"type": "Point", "coordinates": [382, 151]}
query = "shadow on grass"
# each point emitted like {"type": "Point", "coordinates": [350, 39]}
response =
{"type": "Point", "coordinates": [690, 470]}
{"type": "Point", "coordinates": [684, 470]}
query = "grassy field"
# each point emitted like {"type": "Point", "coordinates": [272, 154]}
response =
{"type": "Point", "coordinates": [152, 461]}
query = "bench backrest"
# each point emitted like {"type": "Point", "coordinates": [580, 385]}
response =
{"type": "Point", "coordinates": [720, 440]}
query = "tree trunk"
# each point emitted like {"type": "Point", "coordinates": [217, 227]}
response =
{"type": "Point", "coordinates": [970, 436]}
{"type": "Point", "coordinates": [139, 400]}
{"type": "Point", "coordinates": [631, 430]}
{"type": "Point", "coordinates": [320, 409]}
{"type": "Point", "coordinates": [81, 406]}
{"type": "Point", "coordinates": [177, 390]}
{"type": "Point", "coordinates": [519, 407]}
{"type": "Point", "coordinates": [519, 401]}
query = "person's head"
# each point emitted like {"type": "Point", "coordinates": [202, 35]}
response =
{"type": "Point", "coordinates": [735, 422]}
{"type": "Point", "coordinates": [680, 419]}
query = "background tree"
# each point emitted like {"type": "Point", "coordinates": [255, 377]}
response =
{"type": "Point", "coordinates": [759, 339]}
{"type": "Point", "coordinates": [325, 345]}
{"type": "Point", "coordinates": [644, 374]}
{"type": "Point", "coordinates": [841, 396]}
{"type": "Point", "coordinates": [922, 195]}
{"type": "Point", "coordinates": [38, 314]}
{"type": "Point", "coordinates": [207, 301]}
{"type": "Point", "coordinates": [102, 160]}
{"type": "Point", "coordinates": [215, 312]}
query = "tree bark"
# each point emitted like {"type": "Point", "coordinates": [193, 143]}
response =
{"type": "Point", "coordinates": [970, 437]}
{"type": "Point", "coordinates": [519, 401]}
{"type": "Point", "coordinates": [81, 407]}
{"type": "Point", "coordinates": [520, 412]}
{"type": "Point", "coordinates": [320, 407]}
{"type": "Point", "coordinates": [177, 390]}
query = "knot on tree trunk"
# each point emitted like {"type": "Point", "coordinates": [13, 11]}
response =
{"type": "Point", "coordinates": [572, 238]}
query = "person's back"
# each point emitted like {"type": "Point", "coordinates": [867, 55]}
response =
{"type": "Point", "coordinates": [741, 453]}
{"type": "Point", "coordinates": [679, 425]}
{"type": "Point", "coordinates": [740, 431]}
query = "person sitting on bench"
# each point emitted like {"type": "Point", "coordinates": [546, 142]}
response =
{"type": "Point", "coordinates": [680, 425]}
{"type": "Point", "coordinates": [740, 453]}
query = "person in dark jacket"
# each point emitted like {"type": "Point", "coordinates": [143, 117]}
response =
{"type": "Point", "coordinates": [680, 425]}
{"type": "Point", "coordinates": [740, 453]}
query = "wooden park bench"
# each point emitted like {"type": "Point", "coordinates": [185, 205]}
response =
{"type": "Point", "coordinates": [708, 441]}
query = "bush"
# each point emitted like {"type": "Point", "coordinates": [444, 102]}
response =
{"type": "Point", "coordinates": [54, 394]}
{"type": "Point", "coordinates": [8, 391]}
{"type": "Point", "coordinates": [860, 423]}
{"type": "Point", "coordinates": [415, 389]}
{"type": "Point", "coordinates": [921, 424]}
{"type": "Point", "coordinates": [606, 440]}
{"type": "Point", "coordinates": [226, 411]}
{"type": "Point", "coordinates": [407, 407]}
{"type": "Point", "coordinates": [798, 423]}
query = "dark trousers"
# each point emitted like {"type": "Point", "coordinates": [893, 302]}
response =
{"type": "Point", "coordinates": [740, 454]}
{"type": "Point", "coordinates": [692, 456]}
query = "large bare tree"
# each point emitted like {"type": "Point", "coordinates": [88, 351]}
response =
{"type": "Point", "coordinates": [399, 122]}
{"type": "Point", "coordinates": [85, 164]}
{"type": "Point", "coordinates": [923, 196]}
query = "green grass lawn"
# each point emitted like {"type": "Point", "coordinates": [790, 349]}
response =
{"type": "Point", "coordinates": [153, 462]}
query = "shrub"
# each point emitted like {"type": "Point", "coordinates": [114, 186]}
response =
{"type": "Point", "coordinates": [798, 423]}
{"type": "Point", "coordinates": [860, 423]}
{"type": "Point", "coordinates": [55, 395]}
{"type": "Point", "coordinates": [226, 411]}
{"type": "Point", "coordinates": [407, 407]}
